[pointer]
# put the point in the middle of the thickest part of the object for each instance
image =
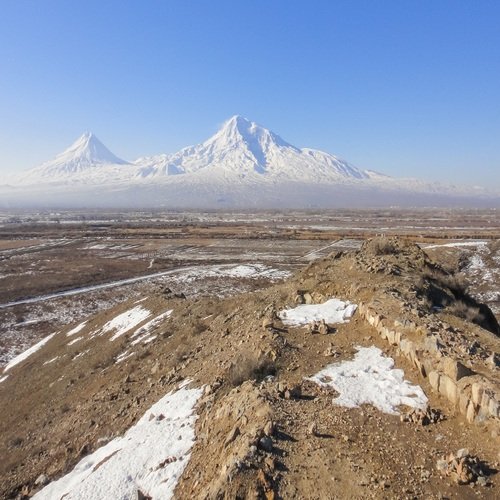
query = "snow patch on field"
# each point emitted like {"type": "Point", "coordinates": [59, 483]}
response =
{"type": "Point", "coordinates": [150, 457]}
{"type": "Point", "coordinates": [74, 341]}
{"type": "Point", "coordinates": [77, 329]}
{"type": "Point", "coordinates": [126, 321]}
{"type": "Point", "coordinates": [251, 271]}
{"type": "Point", "coordinates": [370, 378]}
{"type": "Point", "coordinates": [457, 244]}
{"type": "Point", "coordinates": [331, 311]}
{"type": "Point", "coordinates": [24, 355]}
{"type": "Point", "coordinates": [4, 378]}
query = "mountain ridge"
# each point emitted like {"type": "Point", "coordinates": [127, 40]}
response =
{"type": "Point", "coordinates": [242, 164]}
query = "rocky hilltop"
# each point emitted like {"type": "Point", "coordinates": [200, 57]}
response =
{"type": "Point", "coordinates": [293, 389]}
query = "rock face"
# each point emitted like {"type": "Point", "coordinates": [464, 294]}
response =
{"type": "Point", "coordinates": [264, 429]}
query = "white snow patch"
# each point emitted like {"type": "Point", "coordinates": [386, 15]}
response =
{"type": "Point", "coordinates": [457, 244]}
{"type": "Point", "coordinates": [51, 360]}
{"type": "Point", "coordinates": [126, 321]}
{"type": "Point", "coordinates": [150, 339]}
{"type": "Point", "coordinates": [370, 378]}
{"type": "Point", "coordinates": [21, 357]}
{"type": "Point", "coordinates": [77, 328]}
{"type": "Point", "coordinates": [147, 327]}
{"type": "Point", "coordinates": [225, 271]}
{"type": "Point", "coordinates": [151, 456]}
{"type": "Point", "coordinates": [331, 311]}
{"type": "Point", "coordinates": [123, 356]}
{"type": "Point", "coordinates": [4, 378]}
{"type": "Point", "coordinates": [74, 341]}
{"type": "Point", "coordinates": [80, 354]}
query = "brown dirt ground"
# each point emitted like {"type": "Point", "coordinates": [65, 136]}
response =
{"type": "Point", "coordinates": [51, 415]}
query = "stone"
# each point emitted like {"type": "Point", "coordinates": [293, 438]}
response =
{"type": "Point", "coordinates": [329, 351]}
{"type": "Point", "coordinates": [269, 428]}
{"type": "Point", "coordinates": [233, 434]}
{"type": "Point", "coordinates": [434, 380]}
{"type": "Point", "coordinates": [485, 400]}
{"type": "Point", "coordinates": [448, 388]}
{"type": "Point", "coordinates": [493, 360]}
{"type": "Point", "coordinates": [312, 429]}
{"type": "Point", "coordinates": [455, 369]}
{"type": "Point", "coordinates": [477, 392]}
{"type": "Point", "coordinates": [322, 328]}
{"type": "Point", "coordinates": [42, 480]}
{"type": "Point", "coordinates": [266, 443]}
{"type": "Point", "coordinates": [432, 345]}
{"type": "Point", "coordinates": [471, 413]}
{"type": "Point", "coordinates": [308, 298]}
{"type": "Point", "coordinates": [493, 407]}
{"type": "Point", "coordinates": [463, 402]}
{"type": "Point", "coordinates": [267, 323]}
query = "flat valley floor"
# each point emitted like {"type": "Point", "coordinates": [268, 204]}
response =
{"type": "Point", "coordinates": [57, 268]}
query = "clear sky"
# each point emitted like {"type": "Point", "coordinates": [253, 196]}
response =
{"type": "Point", "coordinates": [406, 87]}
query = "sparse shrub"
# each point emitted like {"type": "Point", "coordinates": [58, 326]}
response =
{"type": "Point", "coordinates": [16, 442]}
{"type": "Point", "coordinates": [465, 311]}
{"type": "Point", "coordinates": [196, 328]}
{"type": "Point", "coordinates": [380, 246]}
{"type": "Point", "coordinates": [454, 282]}
{"type": "Point", "coordinates": [250, 367]}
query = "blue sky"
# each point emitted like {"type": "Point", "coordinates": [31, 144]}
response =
{"type": "Point", "coordinates": [409, 88]}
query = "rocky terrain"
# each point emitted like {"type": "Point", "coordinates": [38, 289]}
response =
{"type": "Point", "coordinates": [294, 395]}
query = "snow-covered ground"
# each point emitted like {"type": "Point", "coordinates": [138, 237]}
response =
{"type": "Point", "coordinates": [126, 321]}
{"type": "Point", "coordinates": [332, 311]}
{"type": "Point", "coordinates": [150, 457]}
{"type": "Point", "coordinates": [370, 378]}
{"type": "Point", "coordinates": [26, 354]}
{"type": "Point", "coordinates": [455, 244]}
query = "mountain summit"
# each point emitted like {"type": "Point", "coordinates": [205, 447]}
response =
{"type": "Point", "coordinates": [243, 148]}
{"type": "Point", "coordinates": [87, 152]}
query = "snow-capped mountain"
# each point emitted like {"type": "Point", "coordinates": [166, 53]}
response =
{"type": "Point", "coordinates": [241, 165]}
{"type": "Point", "coordinates": [87, 153]}
{"type": "Point", "coordinates": [243, 148]}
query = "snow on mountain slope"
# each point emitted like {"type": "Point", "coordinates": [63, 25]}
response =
{"type": "Point", "coordinates": [245, 149]}
{"type": "Point", "coordinates": [241, 165]}
{"type": "Point", "coordinates": [85, 154]}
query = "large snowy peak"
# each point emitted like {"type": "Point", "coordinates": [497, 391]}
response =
{"type": "Point", "coordinates": [86, 154]}
{"type": "Point", "coordinates": [241, 148]}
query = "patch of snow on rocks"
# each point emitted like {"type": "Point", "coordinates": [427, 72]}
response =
{"type": "Point", "coordinates": [24, 355]}
{"type": "Point", "coordinates": [370, 378]}
{"type": "Point", "coordinates": [147, 327]}
{"type": "Point", "coordinates": [77, 329]}
{"type": "Point", "coordinates": [126, 321]}
{"type": "Point", "coordinates": [331, 311]}
{"type": "Point", "coordinates": [4, 378]}
{"type": "Point", "coordinates": [123, 356]}
{"type": "Point", "coordinates": [150, 457]}
{"type": "Point", "coordinates": [74, 341]}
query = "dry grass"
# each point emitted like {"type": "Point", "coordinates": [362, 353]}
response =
{"type": "Point", "coordinates": [250, 367]}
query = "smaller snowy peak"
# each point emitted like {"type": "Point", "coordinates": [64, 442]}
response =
{"type": "Point", "coordinates": [86, 153]}
{"type": "Point", "coordinates": [87, 150]}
